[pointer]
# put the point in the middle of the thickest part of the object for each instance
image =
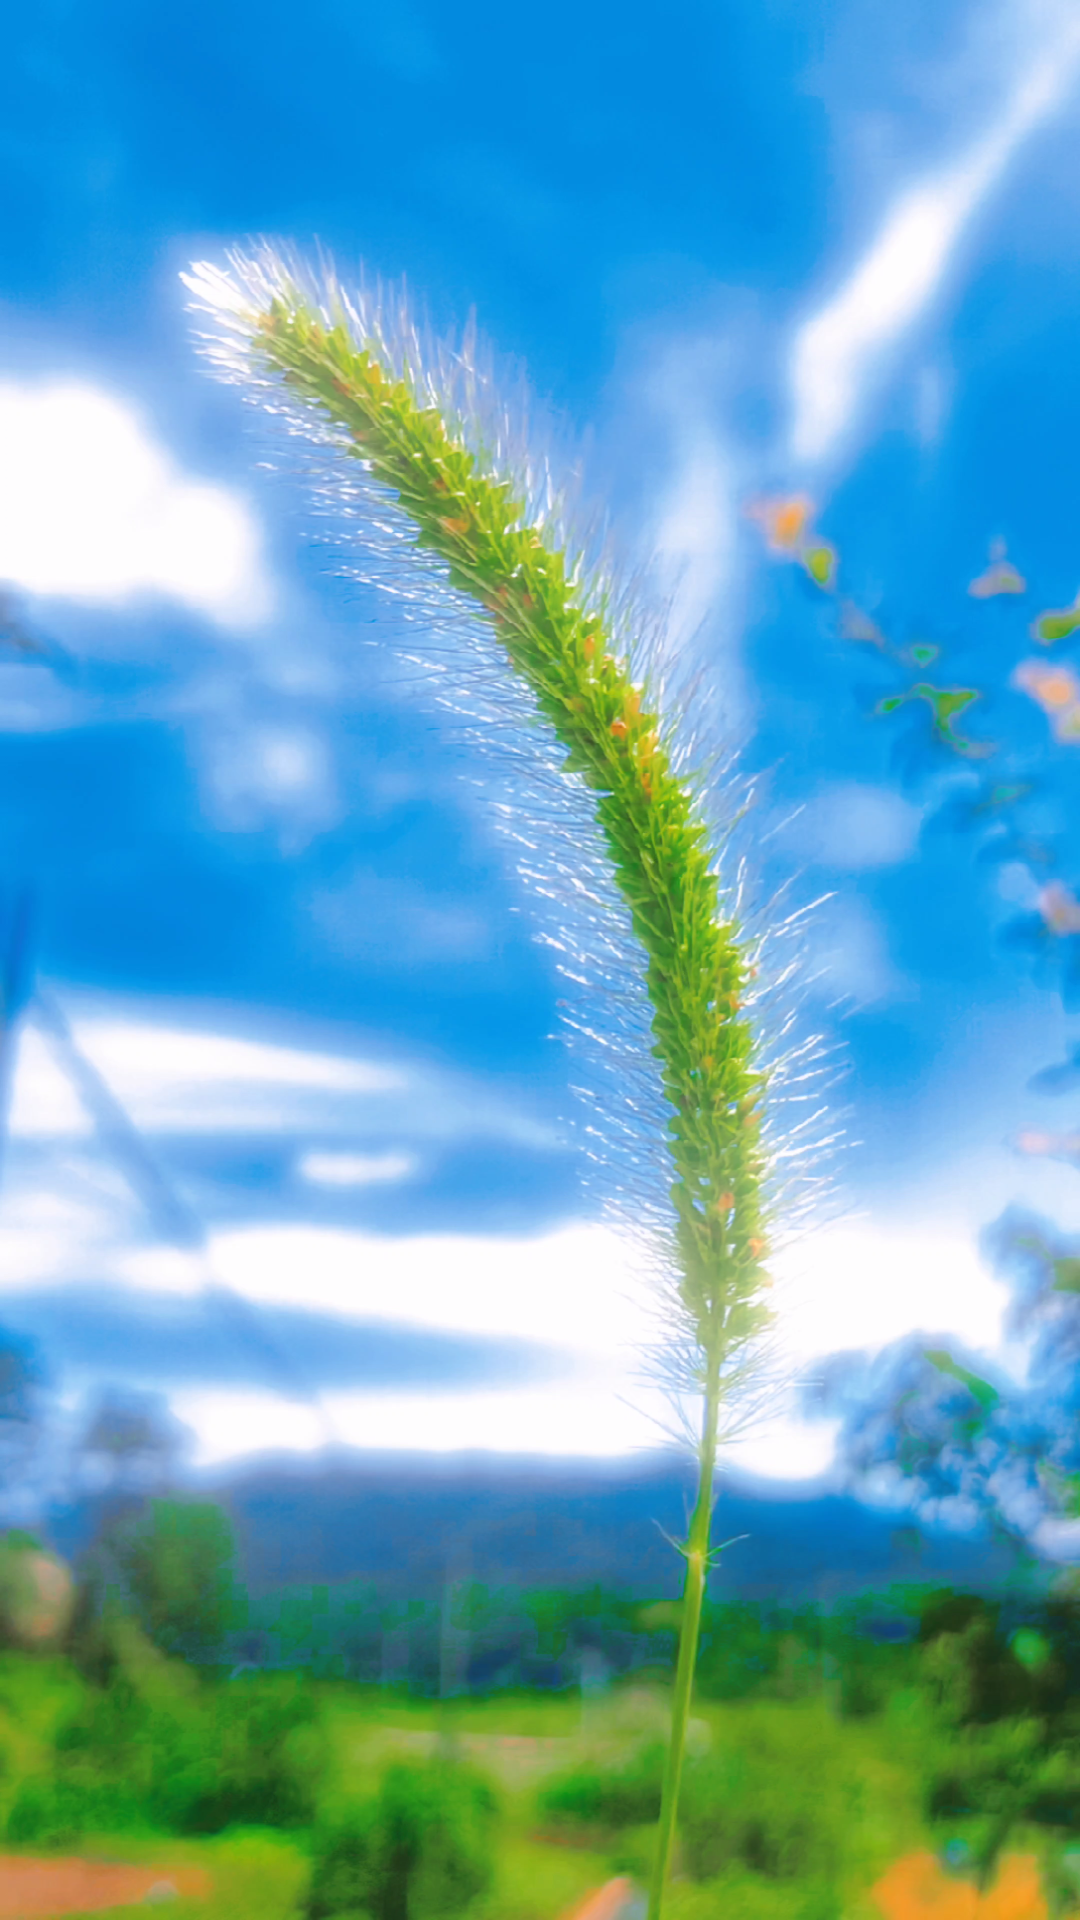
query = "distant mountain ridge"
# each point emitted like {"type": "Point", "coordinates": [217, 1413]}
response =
{"type": "Point", "coordinates": [409, 1522]}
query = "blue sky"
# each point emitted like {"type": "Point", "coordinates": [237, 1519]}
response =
{"type": "Point", "coordinates": [807, 248]}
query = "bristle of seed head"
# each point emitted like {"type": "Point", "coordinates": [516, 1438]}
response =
{"type": "Point", "coordinates": [545, 808]}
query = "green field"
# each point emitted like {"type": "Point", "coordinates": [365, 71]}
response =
{"type": "Point", "coordinates": [823, 1749]}
{"type": "Point", "coordinates": [809, 1809]}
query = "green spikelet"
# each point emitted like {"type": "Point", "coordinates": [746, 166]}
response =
{"type": "Point", "coordinates": [697, 967]}
{"type": "Point", "coordinates": [698, 963]}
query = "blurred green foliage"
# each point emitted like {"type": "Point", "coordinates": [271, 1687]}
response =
{"type": "Point", "coordinates": [626, 1794]}
{"type": "Point", "coordinates": [829, 1743]}
{"type": "Point", "coordinates": [420, 1848]}
{"type": "Point", "coordinates": [176, 1558]}
{"type": "Point", "coordinates": [153, 1750]}
{"type": "Point", "coordinates": [779, 1795]}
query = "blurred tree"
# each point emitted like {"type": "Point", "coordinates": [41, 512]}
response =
{"type": "Point", "coordinates": [419, 1850]}
{"type": "Point", "coordinates": [176, 1560]}
{"type": "Point", "coordinates": [130, 1444]}
{"type": "Point", "coordinates": [934, 1432]}
{"type": "Point", "coordinates": [22, 1381]}
{"type": "Point", "coordinates": [28, 1462]}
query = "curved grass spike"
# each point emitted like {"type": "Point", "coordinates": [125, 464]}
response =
{"type": "Point", "coordinates": [697, 960]}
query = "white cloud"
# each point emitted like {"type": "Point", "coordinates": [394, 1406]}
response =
{"type": "Point", "coordinates": [932, 391]}
{"type": "Point", "coordinates": [857, 827]}
{"type": "Point", "coordinates": [864, 1284]}
{"type": "Point", "coordinates": [675, 399]}
{"type": "Point", "coordinates": [93, 509]}
{"type": "Point", "coordinates": [786, 1448]}
{"type": "Point", "coordinates": [582, 1421]}
{"type": "Point", "coordinates": [174, 1079]}
{"type": "Point", "coordinates": [839, 350]}
{"type": "Point", "coordinates": [266, 773]}
{"type": "Point", "coordinates": [854, 1286]}
{"type": "Point", "coordinates": [44, 1104]}
{"type": "Point", "coordinates": [70, 1218]}
{"type": "Point", "coordinates": [574, 1288]}
{"type": "Point", "coordinates": [355, 1169]}
{"type": "Point", "coordinates": [49, 1235]}
{"type": "Point", "coordinates": [572, 1421]}
{"type": "Point", "coordinates": [846, 1288]}
{"type": "Point", "coordinates": [695, 534]}
{"type": "Point", "coordinates": [1058, 1540]}
{"type": "Point", "coordinates": [182, 1081]}
{"type": "Point", "coordinates": [849, 958]}
{"type": "Point", "coordinates": [858, 1286]}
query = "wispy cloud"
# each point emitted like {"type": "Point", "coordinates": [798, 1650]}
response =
{"type": "Point", "coordinates": [573, 1288]}
{"type": "Point", "coordinates": [189, 1080]}
{"type": "Point", "coordinates": [355, 1169]}
{"type": "Point", "coordinates": [695, 533]}
{"type": "Point", "coordinates": [280, 774]}
{"type": "Point", "coordinates": [674, 462]}
{"type": "Point", "coordinates": [863, 1283]}
{"type": "Point", "coordinates": [857, 1285]}
{"type": "Point", "coordinates": [848, 956]}
{"type": "Point", "coordinates": [181, 1080]}
{"type": "Point", "coordinates": [585, 1419]}
{"type": "Point", "coordinates": [856, 827]}
{"type": "Point", "coordinates": [572, 1292]}
{"type": "Point", "coordinates": [577, 1421]}
{"type": "Point", "coordinates": [839, 351]}
{"type": "Point", "coordinates": [93, 509]}
{"type": "Point", "coordinates": [161, 1339]}
{"type": "Point", "coordinates": [72, 1209]}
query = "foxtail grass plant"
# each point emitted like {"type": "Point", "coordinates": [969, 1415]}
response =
{"type": "Point", "coordinates": [569, 693]}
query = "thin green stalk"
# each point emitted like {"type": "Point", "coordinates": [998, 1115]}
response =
{"type": "Point", "coordinates": [697, 1571]}
{"type": "Point", "coordinates": [697, 963]}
